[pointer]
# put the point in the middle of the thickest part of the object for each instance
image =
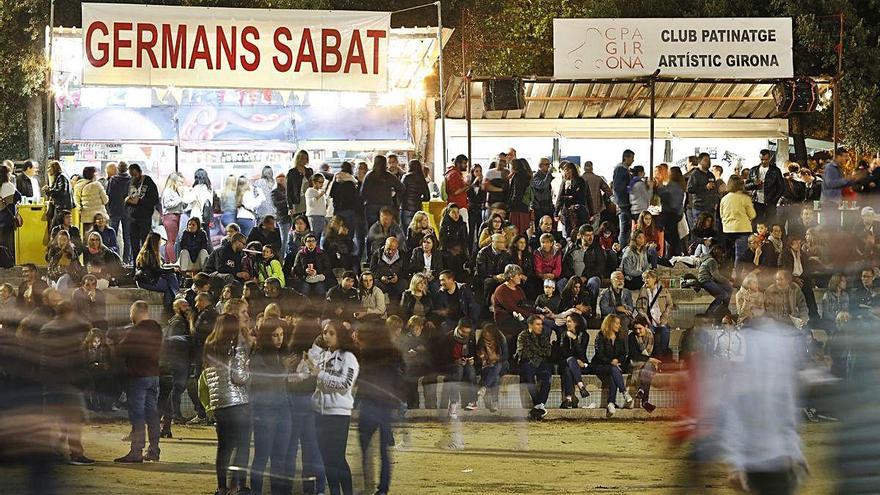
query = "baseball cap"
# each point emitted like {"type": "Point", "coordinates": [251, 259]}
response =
{"type": "Point", "coordinates": [549, 283]}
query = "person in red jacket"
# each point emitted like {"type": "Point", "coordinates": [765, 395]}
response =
{"type": "Point", "coordinates": [510, 305]}
{"type": "Point", "coordinates": [457, 187]}
{"type": "Point", "coordinates": [548, 259]}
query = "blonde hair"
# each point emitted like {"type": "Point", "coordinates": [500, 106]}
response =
{"type": "Point", "coordinates": [414, 282]}
{"type": "Point", "coordinates": [272, 311]}
{"type": "Point", "coordinates": [242, 185]}
{"type": "Point", "coordinates": [607, 327]}
{"type": "Point", "coordinates": [417, 218]}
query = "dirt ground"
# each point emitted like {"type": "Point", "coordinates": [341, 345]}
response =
{"type": "Point", "coordinates": [609, 457]}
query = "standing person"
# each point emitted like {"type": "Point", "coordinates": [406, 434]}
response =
{"type": "Point", "coordinates": [457, 187]}
{"type": "Point", "coordinates": [248, 199]}
{"type": "Point", "coordinates": [640, 192]}
{"type": "Point", "coordinates": [610, 361]}
{"type": "Point", "coordinates": [141, 202]}
{"type": "Point", "coordinates": [173, 206]}
{"type": "Point", "coordinates": [476, 199]}
{"type": "Point", "coordinates": [701, 187]}
{"type": "Point", "coordinates": [57, 192]}
{"type": "Point", "coordinates": [9, 199]}
{"type": "Point", "coordinates": [600, 193]}
{"type": "Point", "coordinates": [26, 182]}
{"type": "Point", "coordinates": [380, 395]}
{"type": "Point", "coordinates": [204, 318]}
{"type": "Point", "coordinates": [226, 374]}
{"type": "Point", "coordinates": [174, 366]}
{"type": "Point", "coordinates": [282, 214]}
{"type": "Point", "coordinates": [620, 183]}
{"type": "Point", "coordinates": [228, 204]}
{"type": "Point", "coordinates": [346, 196]}
{"type": "Point", "coordinates": [571, 204]}
{"type": "Point", "coordinates": [520, 195]}
{"type": "Point", "coordinates": [336, 372]}
{"type": "Point", "coordinates": [378, 191]}
{"type": "Point", "coordinates": [265, 184]}
{"type": "Point", "coordinates": [62, 373]}
{"type": "Point", "coordinates": [833, 182]}
{"type": "Point", "coordinates": [533, 352]}
{"type": "Point", "coordinates": [200, 202]}
{"type": "Point", "coordinates": [737, 213]}
{"type": "Point", "coordinates": [90, 197]}
{"type": "Point", "coordinates": [767, 187]}
{"type": "Point", "coordinates": [495, 182]}
{"type": "Point", "coordinates": [297, 182]}
{"type": "Point", "coordinates": [271, 413]}
{"type": "Point", "coordinates": [415, 192]}
{"type": "Point", "coordinates": [117, 193]}
{"type": "Point", "coordinates": [139, 349]}
{"type": "Point", "coordinates": [316, 205]}
{"type": "Point", "coordinates": [542, 192]}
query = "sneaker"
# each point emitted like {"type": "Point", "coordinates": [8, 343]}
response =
{"type": "Point", "coordinates": [165, 434]}
{"type": "Point", "coordinates": [648, 406]}
{"type": "Point", "coordinates": [80, 460]}
{"type": "Point", "coordinates": [151, 457]}
{"type": "Point", "coordinates": [627, 400]}
{"type": "Point", "coordinates": [542, 411]}
{"type": "Point", "coordinates": [197, 421]}
{"type": "Point", "coordinates": [640, 394]}
{"type": "Point", "coordinates": [471, 406]}
{"type": "Point", "coordinates": [566, 404]}
{"type": "Point", "coordinates": [825, 417]}
{"type": "Point", "coordinates": [584, 392]}
{"type": "Point", "coordinates": [130, 458]}
{"type": "Point", "coordinates": [611, 409]}
{"type": "Point", "coordinates": [589, 405]}
{"type": "Point", "coordinates": [810, 414]}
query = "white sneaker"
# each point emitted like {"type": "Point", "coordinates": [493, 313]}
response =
{"type": "Point", "coordinates": [627, 400]}
{"type": "Point", "coordinates": [541, 407]}
{"type": "Point", "coordinates": [611, 409]}
{"type": "Point", "coordinates": [588, 405]}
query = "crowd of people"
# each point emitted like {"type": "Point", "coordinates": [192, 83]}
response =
{"type": "Point", "coordinates": [296, 296]}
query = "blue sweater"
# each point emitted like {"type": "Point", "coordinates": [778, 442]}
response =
{"type": "Point", "coordinates": [834, 182]}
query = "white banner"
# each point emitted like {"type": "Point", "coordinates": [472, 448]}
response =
{"type": "Point", "coordinates": [748, 48]}
{"type": "Point", "coordinates": [149, 45]}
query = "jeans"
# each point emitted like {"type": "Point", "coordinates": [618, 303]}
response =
{"type": "Point", "coordinates": [624, 217]}
{"type": "Point", "coordinates": [167, 284]}
{"type": "Point", "coordinates": [721, 292]}
{"type": "Point", "coordinates": [233, 444]}
{"type": "Point", "coordinates": [227, 217]}
{"type": "Point", "coordinates": [458, 384]}
{"type": "Point", "coordinates": [490, 376]}
{"type": "Point", "coordinates": [122, 226]}
{"type": "Point", "coordinates": [661, 341]}
{"type": "Point", "coordinates": [140, 228]}
{"type": "Point", "coordinates": [530, 374]}
{"type": "Point", "coordinates": [313, 290]}
{"type": "Point", "coordinates": [272, 427]}
{"type": "Point", "coordinates": [172, 384]}
{"type": "Point", "coordinates": [171, 222]}
{"type": "Point", "coordinates": [192, 389]}
{"type": "Point", "coordinates": [645, 376]}
{"type": "Point", "coordinates": [246, 225]}
{"type": "Point", "coordinates": [740, 247]}
{"type": "Point", "coordinates": [303, 433]}
{"type": "Point", "coordinates": [317, 223]}
{"type": "Point", "coordinates": [143, 412]}
{"type": "Point", "coordinates": [376, 416]}
{"type": "Point", "coordinates": [614, 375]}
{"type": "Point", "coordinates": [669, 221]}
{"type": "Point", "coordinates": [571, 374]}
{"type": "Point", "coordinates": [333, 441]}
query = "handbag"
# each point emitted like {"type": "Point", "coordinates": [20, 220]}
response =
{"type": "Point", "coordinates": [683, 229]}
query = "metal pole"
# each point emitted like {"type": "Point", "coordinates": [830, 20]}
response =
{"type": "Point", "coordinates": [835, 86]}
{"type": "Point", "coordinates": [47, 132]}
{"type": "Point", "coordinates": [467, 111]}
{"type": "Point", "coordinates": [442, 83]}
{"type": "Point", "coordinates": [651, 161]}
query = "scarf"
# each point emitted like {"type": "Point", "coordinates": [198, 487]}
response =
{"type": "Point", "coordinates": [645, 343]}
{"type": "Point", "coordinates": [390, 259]}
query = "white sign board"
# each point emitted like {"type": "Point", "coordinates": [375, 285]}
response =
{"type": "Point", "coordinates": [746, 48]}
{"type": "Point", "coordinates": [150, 45]}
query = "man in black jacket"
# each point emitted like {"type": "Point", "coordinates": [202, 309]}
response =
{"type": "Point", "coordinates": [279, 200]}
{"type": "Point", "coordinates": [141, 202]}
{"type": "Point", "coordinates": [454, 301]}
{"type": "Point", "coordinates": [26, 181]}
{"type": "Point", "coordinates": [267, 234]}
{"type": "Point", "coordinates": [491, 261]}
{"type": "Point", "coordinates": [117, 191]}
{"type": "Point", "coordinates": [289, 300]}
{"type": "Point", "coordinates": [390, 269]}
{"type": "Point", "coordinates": [174, 363]}
{"type": "Point", "coordinates": [227, 260]}
{"type": "Point", "coordinates": [584, 258]}
{"type": "Point", "coordinates": [204, 318]}
{"type": "Point", "coordinates": [701, 187]}
{"type": "Point", "coordinates": [767, 186]}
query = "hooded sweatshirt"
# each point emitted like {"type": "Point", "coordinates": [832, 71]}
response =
{"type": "Point", "coordinates": [338, 373]}
{"type": "Point", "coordinates": [548, 262]}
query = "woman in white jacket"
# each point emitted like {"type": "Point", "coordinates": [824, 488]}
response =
{"type": "Point", "coordinates": [336, 372]}
{"type": "Point", "coordinates": [248, 199]}
{"type": "Point", "coordinates": [90, 197]}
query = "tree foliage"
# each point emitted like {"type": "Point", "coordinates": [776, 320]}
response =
{"type": "Point", "coordinates": [509, 37]}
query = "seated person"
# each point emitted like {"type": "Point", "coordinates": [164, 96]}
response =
{"type": "Point", "coordinates": [311, 268]}
{"type": "Point", "coordinates": [416, 300]}
{"type": "Point", "coordinates": [64, 221]}
{"type": "Point", "coordinates": [201, 282]}
{"type": "Point", "coordinates": [108, 235]}
{"type": "Point", "coordinates": [419, 227]}
{"type": "Point", "coordinates": [545, 226]}
{"type": "Point", "coordinates": [644, 358]}
{"type": "Point", "coordinates": [491, 262]}
{"type": "Point", "coordinates": [389, 269]}
{"type": "Point", "coordinates": [715, 283]}
{"type": "Point", "coordinates": [611, 361]}
{"type": "Point", "coordinates": [269, 266]}
{"type": "Point", "coordinates": [193, 247]}
{"type": "Point", "coordinates": [382, 229]}
{"type": "Point", "coordinates": [492, 359]}
{"type": "Point", "coordinates": [784, 301]}
{"type": "Point", "coordinates": [454, 301]}
{"type": "Point", "coordinates": [98, 255]}
{"type": "Point", "coordinates": [151, 275]}
{"type": "Point", "coordinates": [456, 360]}
{"type": "Point", "coordinates": [496, 226]}
{"type": "Point", "coordinates": [267, 234]}
{"type": "Point", "coordinates": [374, 302]}
{"type": "Point", "coordinates": [509, 303]}
{"type": "Point", "coordinates": [584, 258]}
{"type": "Point", "coordinates": [617, 300]}
{"type": "Point", "coordinates": [533, 353]}
{"type": "Point", "coordinates": [343, 300]}
{"type": "Point", "coordinates": [289, 301]}
{"type": "Point", "coordinates": [571, 351]}
{"type": "Point", "coordinates": [90, 303]}
{"type": "Point", "coordinates": [549, 300]}
{"type": "Point", "coordinates": [428, 260]}
{"type": "Point", "coordinates": [64, 269]}
{"type": "Point", "coordinates": [548, 259]}
{"type": "Point", "coordinates": [863, 297]}
{"type": "Point", "coordinates": [416, 349]}
{"type": "Point", "coordinates": [296, 239]}
{"type": "Point", "coordinates": [654, 303]}
{"type": "Point", "coordinates": [30, 291]}
{"type": "Point", "coordinates": [455, 240]}
{"type": "Point", "coordinates": [339, 246]}
{"type": "Point", "coordinates": [226, 264]}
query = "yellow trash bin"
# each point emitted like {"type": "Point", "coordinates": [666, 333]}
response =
{"type": "Point", "coordinates": [434, 209]}
{"type": "Point", "coordinates": [30, 238]}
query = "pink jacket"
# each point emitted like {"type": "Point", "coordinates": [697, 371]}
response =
{"type": "Point", "coordinates": [551, 263]}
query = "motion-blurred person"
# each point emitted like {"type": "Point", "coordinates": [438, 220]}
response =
{"type": "Point", "coordinates": [174, 365]}
{"type": "Point", "coordinates": [140, 348]}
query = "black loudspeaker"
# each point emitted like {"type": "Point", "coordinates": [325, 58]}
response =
{"type": "Point", "coordinates": [504, 94]}
{"type": "Point", "coordinates": [796, 96]}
